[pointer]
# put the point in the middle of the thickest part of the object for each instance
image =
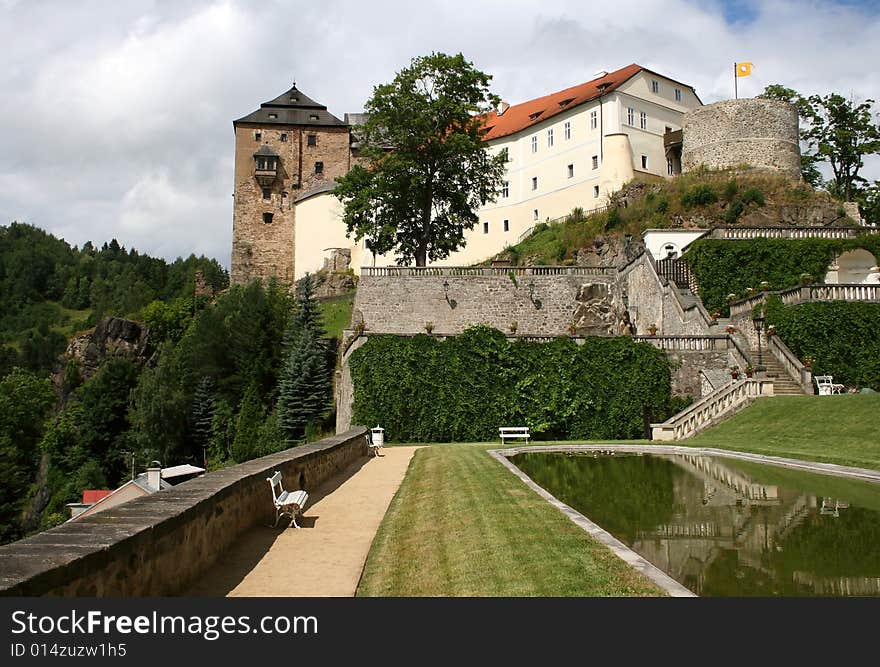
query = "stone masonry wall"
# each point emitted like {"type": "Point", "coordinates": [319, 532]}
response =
{"type": "Point", "coordinates": [542, 305]}
{"type": "Point", "coordinates": [261, 250]}
{"type": "Point", "coordinates": [686, 378]}
{"type": "Point", "coordinates": [757, 132]}
{"type": "Point", "coordinates": [159, 544]}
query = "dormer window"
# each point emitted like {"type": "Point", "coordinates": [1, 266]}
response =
{"type": "Point", "coordinates": [313, 116]}
{"type": "Point", "coordinates": [273, 116]}
{"type": "Point", "coordinates": [535, 115]}
{"type": "Point", "coordinates": [565, 103]}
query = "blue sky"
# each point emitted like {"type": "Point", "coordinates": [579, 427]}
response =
{"type": "Point", "coordinates": [118, 116]}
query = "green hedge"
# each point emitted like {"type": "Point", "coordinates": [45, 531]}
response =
{"type": "Point", "coordinates": [423, 389]}
{"type": "Point", "coordinates": [842, 338]}
{"type": "Point", "coordinates": [729, 267]}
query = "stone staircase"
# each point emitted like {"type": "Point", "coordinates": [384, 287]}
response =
{"type": "Point", "coordinates": [783, 385]}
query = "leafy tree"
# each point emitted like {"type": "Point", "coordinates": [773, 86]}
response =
{"type": "Point", "coordinates": [429, 170]}
{"type": "Point", "coordinates": [837, 131]}
{"type": "Point", "coordinates": [25, 401]}
{"type": "Point", "coordinates": [869, 203]}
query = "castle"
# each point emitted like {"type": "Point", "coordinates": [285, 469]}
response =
{"type": "Point", "coordinates": [572, 148]}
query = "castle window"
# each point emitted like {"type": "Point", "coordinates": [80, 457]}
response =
{"type": "Point", "coordinates": [535, 144]}
{"type": "Point", "coordinates": [594, 120]}
{"type": "Point", "coordinates": [258, 135]}
{"type": "Point", "coordinates": [567, 129]}
{"type": "Point", "coordinates": [643, 120]}
{"type": "Point", "coordinates": [678, 94]}
{"type": "Point", "coordinates": [644, 162]}
{"type": "Point", "coordinates": [571, 171]}
{"type": "Point", "coordinates": [630, 116]}
{"type": "Point", "coordinates": [485, 227]}
{"type": "Point", "coordinates": [595, 162]}
{"type": "Point", "coordinates": [506, 154]}
{"type": "Point", "coordinates": [319, 168]}
{"type": "Point", "coordinates": [505, 189]}
{"type": "Point", "coordinates": [507, 225]}
{"type": "Point", "coordinates": [550, 137]}
{"type": "Point", "coordinates": [535, 214]}
{"type": "Point", "coordinates": [284, 136]}
{"type": "Point", "coordinates": [669, 168]}
{"type": "Point", "coordinates": [267, 218]}
{"type": "Point", "coordinates": [655, 86]}
{"type": "Point", "coordinates": [534, 182]}
{"type": "Point", "coordinates": [595, 191]}
{"type": "Point", "coordinates": [312, 140]}
{"type": "Point", "coordinates": [267, 193]}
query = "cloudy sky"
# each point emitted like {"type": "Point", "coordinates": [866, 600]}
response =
{"type": "Point", "coordinates": [117, 116]}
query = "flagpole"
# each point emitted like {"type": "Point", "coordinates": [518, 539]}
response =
{"type": "Point", "coordinates": [735, 90]}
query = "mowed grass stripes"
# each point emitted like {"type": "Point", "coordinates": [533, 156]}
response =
{"type": "Point", "coordinates": [463, 525]}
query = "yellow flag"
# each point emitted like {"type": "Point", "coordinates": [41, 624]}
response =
{"type": "Point", "coordinates": [743, 69]}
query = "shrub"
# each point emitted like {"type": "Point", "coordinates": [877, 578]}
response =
{"type": "Point", "coordinates": [699, 195]}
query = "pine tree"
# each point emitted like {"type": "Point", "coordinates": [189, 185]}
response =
{"type": "Point", "coordinates": [247, 428]}
{"type": "Point", "coordinates": [304, 388]}
{"type": "Point", "coordinates": [203, 412]}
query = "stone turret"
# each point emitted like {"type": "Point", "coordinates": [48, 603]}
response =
{"type": "Point", "coordinates": [760, 133]}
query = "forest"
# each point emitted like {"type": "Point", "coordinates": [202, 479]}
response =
{"type": "Point", "coordinates": [236, 373]}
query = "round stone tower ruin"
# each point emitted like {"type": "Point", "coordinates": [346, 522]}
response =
{"type": "Point", "coordinates": [762, 134]}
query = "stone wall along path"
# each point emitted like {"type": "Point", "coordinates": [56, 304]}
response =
{"type": "Point", "coordinates": [326, 556]}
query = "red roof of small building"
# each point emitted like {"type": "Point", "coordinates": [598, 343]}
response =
{"type": "Point", "coordinates": [520, 116]}
{"type": "Point", "coordinates": [94, 495]}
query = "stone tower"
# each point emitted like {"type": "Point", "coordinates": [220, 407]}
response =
{"type": "Point", "coordinates": [287, 147]}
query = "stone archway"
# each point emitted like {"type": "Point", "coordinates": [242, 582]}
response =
{"type": "Point", "coordinates": [850, 267]}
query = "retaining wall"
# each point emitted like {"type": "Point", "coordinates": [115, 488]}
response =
{"type": "Point", "coordinates": [159, 544]}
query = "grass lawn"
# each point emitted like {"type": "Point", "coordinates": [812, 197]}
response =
{"type": "Point", "coordinates": [832, 429]}
{"type": "Point", "coordinates": [337, 313]}
{"type": "Point", "coordinates": [463, 525]}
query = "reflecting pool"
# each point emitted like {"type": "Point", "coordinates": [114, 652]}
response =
{"type": "Point", "coordinates": [724, 527]}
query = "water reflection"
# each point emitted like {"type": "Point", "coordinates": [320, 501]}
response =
{"type": "Point", "coordinates": [723, 528]}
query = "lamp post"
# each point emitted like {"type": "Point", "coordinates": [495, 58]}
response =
{"type": "Point", "coordinates": [758, 321]}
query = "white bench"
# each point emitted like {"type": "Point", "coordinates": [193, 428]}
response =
{"type": "Point", "coordinates": [509, 432]}
{"type": "Point", "coordinates": [827, 386]}
{"type": "Point", "coordinates": [288, 503]}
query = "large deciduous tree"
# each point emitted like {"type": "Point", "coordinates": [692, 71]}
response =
{"type": "Point", "coordinates": [837, 131]}
{"type": "Point", "coordinates": [428, 170]}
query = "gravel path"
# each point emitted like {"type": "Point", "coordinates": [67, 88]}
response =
{"type": "Point", "coordinates": [326, 556]}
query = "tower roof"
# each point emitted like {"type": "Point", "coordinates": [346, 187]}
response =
{"type": "Point", "coordinates": [292, 108]}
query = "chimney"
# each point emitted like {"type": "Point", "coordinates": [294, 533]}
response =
{"type": "Point", "coordinates": [504, 106]}
{"type": "Point", "coordinates": [154, 475]}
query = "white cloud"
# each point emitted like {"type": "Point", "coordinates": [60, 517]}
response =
{"type": "Point", "coordinates": [117, 117]}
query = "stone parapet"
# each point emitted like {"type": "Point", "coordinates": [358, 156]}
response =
{"type": "Point", "coordinates": [159, 544]}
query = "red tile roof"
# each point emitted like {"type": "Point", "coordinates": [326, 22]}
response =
{"type": "Point", "coordinates": [520, 116]}
{"type": "Point", "coordinates": [94, 495]}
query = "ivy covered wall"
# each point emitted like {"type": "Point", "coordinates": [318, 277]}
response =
{"type": "Point", "coordinates": [842, 338]}
{"type": "Point", "coordinates": [725, 267]}
{"type": "Point", "coordinates": [462, 388]}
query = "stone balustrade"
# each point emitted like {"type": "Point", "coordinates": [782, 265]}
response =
{"type": "Point", "coordinates": [158, 545]}
{"type": "Point", "coordinates": [740, 233]}
{"type": "Point", "coordinates": [710, 409]}
{"type": "Point", "coordinates": [495, 271]}
{"type": "Point", "coordinates": [793, 366]}
{"type": "Point", "coordinates": [804, 293]}
{"type": "Point", "coordinates": [687, 343]}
